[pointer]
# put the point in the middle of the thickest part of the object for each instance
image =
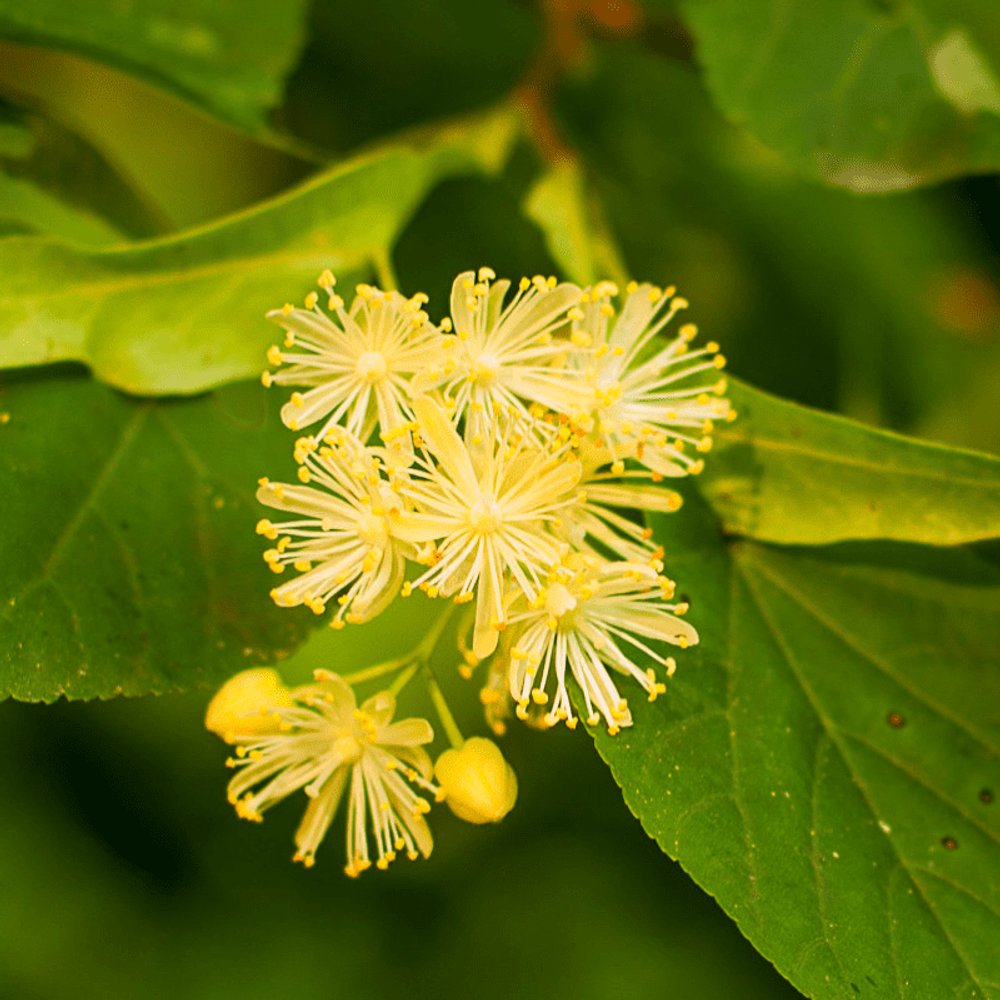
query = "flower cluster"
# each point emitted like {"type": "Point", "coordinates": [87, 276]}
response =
{"type": "Point", "coordinates": [502, 454]}
{"type": "Point", "coordinates": [502, 458]}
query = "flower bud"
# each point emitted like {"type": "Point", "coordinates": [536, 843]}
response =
{"type": "Point", "coordinates": [480, 785]}
{"type": "Point", "coordinates": [244, 705]}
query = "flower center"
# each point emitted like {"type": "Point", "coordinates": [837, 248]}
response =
{"type": "Point", "coordinates": [484, 369]}
{"type": "Point", "coordinates": [347, 748]}
{"type": "Point", "coordinates": [371, 529]}
{"type": "Point", "coordinates": [561, 604]}
{"type": "Point", "coordinates": [485, 516]}
{"type": "Point", "coordinates": [371, 366]}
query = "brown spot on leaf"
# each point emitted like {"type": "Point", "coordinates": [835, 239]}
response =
{"type": "Point", "coordinates": [949, 843]}
{"type": "Point", "coordinates": [986, 797]}
{"type": "Point", "coordinates": [895, 720]}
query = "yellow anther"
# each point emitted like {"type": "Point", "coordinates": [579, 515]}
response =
{"type": "Point", "coordinates": [311, 299]}
{"type": "Point", "coordinates": [326, 280]}
{"type": "Point", "coordinates": [266, 379]}
{"type": "Point", "coordinates": [287, 309]}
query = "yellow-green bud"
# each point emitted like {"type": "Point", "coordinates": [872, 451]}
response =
{"type": "Point", "coordinates": [480, 785]}
{"type": "Point", "coordinates": [244, 705]}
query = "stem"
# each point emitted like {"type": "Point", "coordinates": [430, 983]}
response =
{"type": "Point", "coordinates": [379, 670]}
{"type": "Point", "coordinates": [383, 268]}
{"type": "Point", "coordinates": [451, 729]}
{"type": "Point", "coordinates": [412, 661]}
{"type": "Point", "coordinates": [404, 678]}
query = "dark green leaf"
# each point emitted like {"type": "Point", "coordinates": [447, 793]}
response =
{"type": "Point", "coordinates": [785, 473]}
{"type": "Point", "coordinates": [130, 564]}
{"type": "Point", "coordinates": [184, 314]}
{"type": "Point", "coordinates": [873, 96]}
{"type": "Point", "coordinates": [825, 762]}
{"type": "Point", "coordinates": [229, 58]}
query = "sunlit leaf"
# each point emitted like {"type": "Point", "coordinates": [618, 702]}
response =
{"type": "Point", "coordinates": [786, 473]}
{"type": "Point", "coordinates": [183, 314]}
{"type": "Point", "coordinates": [826, 762]}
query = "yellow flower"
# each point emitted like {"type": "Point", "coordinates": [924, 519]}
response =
{"type": "Point", "coordinates": [589, 621]}
{"type": "Point", "coordinates": [503, 355]}
{"type": "Point", "coordinates": [480, 785]}
{"type": "Point", "coordinates": [244, 706]}
{"type": "Point", "coordinates": [650, 404]}
{"type": "Point", "coordinates": [487, 508]}
{"type": "Point", "coordinates": [345, 547]}
{"type": "Point", "coordinates": [358, 363]}
{"type": "Point", "coordinates": [325, 745]}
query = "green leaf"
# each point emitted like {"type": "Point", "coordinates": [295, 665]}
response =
{"type": "Point", "coordinates": [228, 58]}
{"type": "Point", "coordinates": [571, 219]}
{"type": "Point", "coordinates": [55, 183]}
{"type": "Point", "coordinates": [872, 96]}
{"type": "Point", "coordinates": [28, 205]}
{"type": "Point", "coordinates": [129, 560]}
{"type": "Point", "coordinates": [183, 314]}
{"type": "Point", "coordinates": [785, 473]}
{"type": "Point", "coordinates": [825, 763]}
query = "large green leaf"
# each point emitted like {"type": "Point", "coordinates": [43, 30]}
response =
{"type": "Point", "coordinates": [229, 58]}
{"type": "Point", "coordinates": [129, 559]}
{"type": "Point", "coordinates": [786, 473]}
{"type": "Point", "coordinates": [183, 314]}
{"type": "Point", "coordinates": [825, 763]}
{"type": "Point", "coordinates": [874, 96]}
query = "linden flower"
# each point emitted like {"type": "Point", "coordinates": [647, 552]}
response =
{"type": "Point", "coordinates": [646, 409]}
{"type": "Point", "coordinates": [359, 365]}
{"type": "Point", "coordinates": [344, 547]}
{"type": "Point", "coordinates": [501, 355]}
{"type": "Point", "coordinates": [487, 509]}
{"type": "Point", "coordinates": [584, 623]}
{"type": "Point", "coordinates": [327, 745]}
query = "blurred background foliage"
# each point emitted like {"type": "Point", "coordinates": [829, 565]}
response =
{"type": "Point", "coordinates": [123, 871]}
